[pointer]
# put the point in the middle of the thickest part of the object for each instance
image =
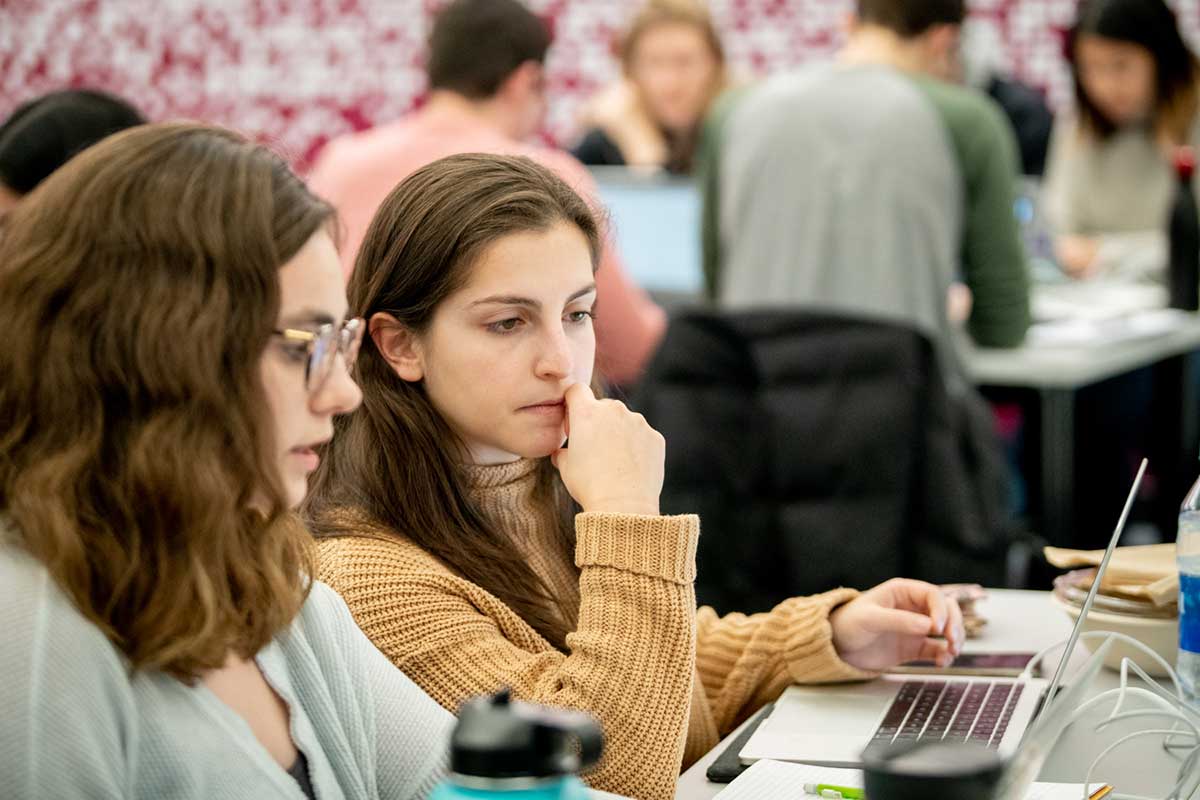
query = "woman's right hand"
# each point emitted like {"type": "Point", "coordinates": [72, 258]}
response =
{"type": "Point", "coordinates": [1077, 255]}
{"type": "Point", "coordinates": [614, 460]}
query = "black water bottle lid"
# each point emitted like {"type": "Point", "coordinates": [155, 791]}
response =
{"type": "Point", "coordinates": [931, 769]}
{"type": "Point", "coordinates": [498, 737]}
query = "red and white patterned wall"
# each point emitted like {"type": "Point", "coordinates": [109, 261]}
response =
{"type": "Point", "coordinates": [296, 72]}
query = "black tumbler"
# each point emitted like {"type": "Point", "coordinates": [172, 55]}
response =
{"type": "Point", "coordinates": [925, 770]}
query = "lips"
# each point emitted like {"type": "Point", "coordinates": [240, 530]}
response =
{"type": "Point", "coordinates": [307, 455]}
{"type": "Point", "coordinates": [548, 408]}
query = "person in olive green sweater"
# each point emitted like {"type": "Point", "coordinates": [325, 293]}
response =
{"type": "Point", "coordinates": [871, 186]}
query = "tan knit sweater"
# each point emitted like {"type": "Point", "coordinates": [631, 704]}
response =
{"type": "Point", "coordinates": [666, 681]}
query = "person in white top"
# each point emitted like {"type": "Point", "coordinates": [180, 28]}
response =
{"type": "Point", "coordinates": [177, 347]}
{"type": "Point", "coordinates": [1109, 179]}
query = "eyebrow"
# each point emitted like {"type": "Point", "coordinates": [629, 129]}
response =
{"type": "Point", "coordinates": [526, 302]}
{"type": "Point", "coordinates": [307, 316]}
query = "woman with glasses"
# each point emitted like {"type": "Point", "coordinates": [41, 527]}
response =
{"type": "Point", "coordinates": [477, 551]}
{"type": "Point", "coordinates": [177, 349]}
{"type": "Point", "coordinates": [1110, 177]}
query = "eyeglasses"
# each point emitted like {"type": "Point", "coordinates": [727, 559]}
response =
{"type": "Point", "coordinates": [323, 345]}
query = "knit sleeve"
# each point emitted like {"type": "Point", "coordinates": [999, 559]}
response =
{"type": "Point", "coordinates": [745, 661]}
{"type": "Point", "coordinates": [629, 662]}
{"type": "Point", "coordinates": [67, 720]}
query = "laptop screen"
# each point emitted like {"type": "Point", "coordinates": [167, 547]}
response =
{"type": "Point", "coordinates": [1051, 720]}
{"type": "Point", "coordinates": [656, 221]}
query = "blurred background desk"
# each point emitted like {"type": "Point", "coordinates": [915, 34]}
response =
{"type": "Point", "coordinates": [1026, 621]}
{"type": "Point", "coordinates": [1061, 357]}
{"type": "Point", "coordinates": [1087, 333]}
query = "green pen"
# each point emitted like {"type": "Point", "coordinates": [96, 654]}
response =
{"type": "Point", "coordinates": [829, 790]}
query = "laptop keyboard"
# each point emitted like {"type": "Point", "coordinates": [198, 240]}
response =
{"type": "Point", "coordinates": [954, 711]}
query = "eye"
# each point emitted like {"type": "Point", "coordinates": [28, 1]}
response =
{"type": "Point", "coordinates": [296, 351]}
{"type": "Point", "coordinates": [579, 317]}
{"type": "Point", "coordinates": [506, 325]}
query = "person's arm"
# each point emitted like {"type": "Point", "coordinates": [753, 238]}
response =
{"type": "Point", "coordinates": [993, 256]}
{"type": "Point", "coordinates": [629, 325]}
{"type": "Point", "coordinates": [67, 723]}
{"type": "Point", "coordinates": [410, 732]}
{"type": "Point", "coordinates": [708, 164]}
{"type": "Point", "coordinates": [745, 661]}
{"type": "Point", "coordinates": [629, 661]}
{"type": "Point", "coordinates": [840, 635]}
{"type": "Point", "coordinates": [1057, 200]}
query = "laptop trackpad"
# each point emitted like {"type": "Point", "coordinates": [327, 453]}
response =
{"type": "Point", "coordinates": [836, 713]}
{"type": "Point", "coordinates": [821, 724]}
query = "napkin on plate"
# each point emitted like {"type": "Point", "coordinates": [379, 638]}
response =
{"type": "Point", "coordinates": [1142, 572]}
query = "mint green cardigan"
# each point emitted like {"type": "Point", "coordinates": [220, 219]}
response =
{"type": "Point", "coordinates": [74, 722]}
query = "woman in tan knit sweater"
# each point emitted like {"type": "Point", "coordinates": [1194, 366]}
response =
{"type": "Point", "coordinates": [446, 508]}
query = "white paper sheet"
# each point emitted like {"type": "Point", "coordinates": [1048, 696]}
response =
{"type": "Point", "coordinates": [782, 780]}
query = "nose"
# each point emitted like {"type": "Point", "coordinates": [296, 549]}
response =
{"type": "Point", "coordinates": [554, 357]}
{"type": "Point", "coordinates": [339, 394]}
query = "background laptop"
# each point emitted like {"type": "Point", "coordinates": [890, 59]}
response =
{"type": "Point", "coordinates": [832, 725]}
{"type": "Point", "coordinates": [656, 220]}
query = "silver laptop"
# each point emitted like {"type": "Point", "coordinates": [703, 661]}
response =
{"type": "Point", "coordinates": [832, 725]}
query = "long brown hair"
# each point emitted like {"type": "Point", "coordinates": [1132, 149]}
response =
{"type": "Point", "coordinates": [139, 287]}
{"type": "Point", "coordinates": [395, 462]}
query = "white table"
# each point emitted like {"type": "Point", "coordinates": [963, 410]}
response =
{"type": "Point", "coordinates": [1025, 621]}
{"type": "Point", "coordinates": [1057, 372]}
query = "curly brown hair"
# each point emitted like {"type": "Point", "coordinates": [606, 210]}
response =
{"type": "Point", "coordinates": [139, 287]}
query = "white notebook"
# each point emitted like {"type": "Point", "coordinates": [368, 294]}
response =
{"type": "Point", "coordinates": [783, 780]}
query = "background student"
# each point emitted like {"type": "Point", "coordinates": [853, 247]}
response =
{"type": "Point", "coordinates": [42, 134]}
{"type": "Point", "coordinates": [487, 95]}
{"type": "Point", "coordinates": [177, 347]}
{"type": "Point", "coordinates": [673, 66]}
{"type": "Point", "coordinates": [477, 552]}
{"type": "Point", "coordinates": [1110, 178]}
{"type": "Point", "coordinates": [871, 186]}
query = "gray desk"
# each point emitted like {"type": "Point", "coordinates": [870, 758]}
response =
{"type": "Point", "coordinates": [1024, 621]}
{"type": "Point", "coordinates": [1055, 373]}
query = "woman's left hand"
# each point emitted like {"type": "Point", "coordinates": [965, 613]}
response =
{"type": "Point", "coordinates": [899, 620]}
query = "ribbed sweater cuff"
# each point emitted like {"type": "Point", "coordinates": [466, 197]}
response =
{"type": "Point", "coordinates": [658, 547]}
{"type": "Point", "coordinates": [808, 649]}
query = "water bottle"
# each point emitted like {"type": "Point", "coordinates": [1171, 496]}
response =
{"type": "Point", "coordinates": [1183, 265]}
{"type": "Point", "coordinates": [1187, 548]}
{"type": "Point", "coordinates": [503, 748]}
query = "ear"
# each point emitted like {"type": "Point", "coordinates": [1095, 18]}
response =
{"type": "Point", "coordinates": [522, 82]}
{"type": "Point", "coordinates": [398, 345]}
{"type": "Point", "coordinates": [850, 23]}
{"type": "Point", "coordinates": [941, 45]}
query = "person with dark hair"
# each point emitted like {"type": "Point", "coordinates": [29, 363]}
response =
{"type": "Point", "coordinates": [673, 67]}
{"type": "Point", "coordinates": [477, 551]}
{"type": "Point", "coordinates": [1110, 180]}
{"type": "Point", "coordinates": [485, 69]}
{"type": "Point", "coordinates": [43, 133]}
{"type": "Point", "coordinates": [872, 186]}
{"type": "Point", "coordinates": [172, 360]}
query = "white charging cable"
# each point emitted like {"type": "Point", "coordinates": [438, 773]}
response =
{"type": "Point", "coordinates": [1183, 735]}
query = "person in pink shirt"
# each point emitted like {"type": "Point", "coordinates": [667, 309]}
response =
{"type": "Point", "coordinates": [486, 95]}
